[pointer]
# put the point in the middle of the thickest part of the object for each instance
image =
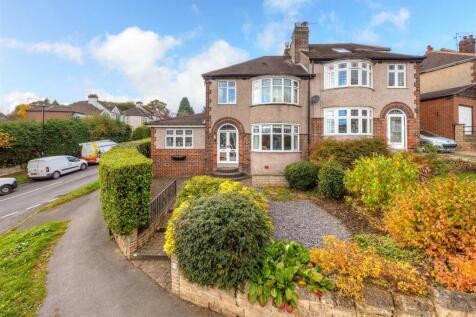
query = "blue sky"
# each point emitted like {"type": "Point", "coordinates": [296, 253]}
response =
{"type": "Point", "coordinates": [141, 50]}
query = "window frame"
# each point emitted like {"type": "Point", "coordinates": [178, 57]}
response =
{"type": "Point", "coordinates": [295, 142]}
{"type": "Point", "coordinates": [257, 90]}
{"type": "Point", "coordinates": [396, 71]}
{"type": "Point", "coordinates": [336, 117]}
{"type": "Point", "coordinates": [333, 69]}
{"type": "Point", "coordinates": [227, 89]}
{"type": "Point", "coordinates": [174, 136]}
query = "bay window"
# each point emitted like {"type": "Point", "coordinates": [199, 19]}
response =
{"type": "Point", "coordinates": [179, 138]}
{"type": "Point", "coordinates": [397, 76]}
{"type": "Point", "coordinates": [348, 121]}
{"type": "Point", "coordinates": [275, 137]}
{"type": "Point", "coordinates": [226, 92]}
{"type": "Point", "coordinates": [275, 90]}
{"type": "Point", "coordinates": [347, 73]}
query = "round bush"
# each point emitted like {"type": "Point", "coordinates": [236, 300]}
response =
{"type": "Point", "coordinates": [331, 180]}
{"type": "Point", "coordinates": [220, 239]}
{"type": "Point", "coordinates": [301, 175]}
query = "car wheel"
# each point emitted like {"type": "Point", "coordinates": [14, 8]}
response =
{"type": "Point", "coordinates": [5, 189]}
{"type": "Point", "coordinates": [83, 167]}
{"type": "Point", "coordinates": [56, 175]}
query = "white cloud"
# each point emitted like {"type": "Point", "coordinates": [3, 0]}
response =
{"type": "Point", "coordinates": [12, 99]}
{"type": "Point", "coordinates": [399, 18]}
{"type": "Point", "coordinates": [366, 35]}
{"type": "Point", "coordinates": [64, 50]}
{"type": "Point", "coordinates": [142, 57]}
{"type": "Point", "coordinates": [195, 9]}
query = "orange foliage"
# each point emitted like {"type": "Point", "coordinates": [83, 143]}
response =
{"type": "Point", "coordinates": [6, 140]}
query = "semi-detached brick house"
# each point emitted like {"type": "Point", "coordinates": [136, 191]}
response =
{"type": "Point", "coordinates": [265, 113]}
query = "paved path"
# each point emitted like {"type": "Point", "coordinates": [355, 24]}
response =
{"type": "Point", "coordinates": [29, 197]}
{"type": "Point", "coordinates": [304, 222]}
{"type": "Point", "coordinates": [87, 275]}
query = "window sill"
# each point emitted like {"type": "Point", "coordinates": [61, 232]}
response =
{"type": "Point", "coordinates": [349, 134]}
{"type": "Point", "coordinates": [391, 87]}
{"type": "Point", "coordinates": [276, 104]}
{"type": "Point", "coordinates": [179, 148]}
{"type": "Point", "coordinates": [226, 104]}
{"type": "Point", "coordinates": [352, 87]}
{"type": "Point", "coordinates": [269, 151]}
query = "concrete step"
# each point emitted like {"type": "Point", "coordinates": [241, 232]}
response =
{"type": "Point", "coordinates": [152, 250]}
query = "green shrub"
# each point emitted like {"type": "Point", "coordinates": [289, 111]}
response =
{"type": "Point", "coordinates": [387, 247]}
{"type": "Point", "coordinates": [301, 175]}
{"type": "Point", "coordinates": [286, 266]}
{"type": "Point", "coordinates": [374, 180]}
{"type": "Point", "coordinates": [125, 176]}
{"type": "Point", "coordinates": [220, 239]}
{"type": "Point", "coordinates": [141, 132]}
{"type": "Point", "coordinates": [331, 180]}
{"type": "Point", "coordinates": [103, 127]}
{"type": "Point", "coordinates": [346, 152]}
{"type": "Point", "coordinates": [143, 146]}
{"type": "Point", "coordinates": [62, 137]}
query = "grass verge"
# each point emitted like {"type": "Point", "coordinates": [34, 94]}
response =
{"type": "Point", "coordinates": [23, 261]}
{"type": "Point", "coordinates": [86, 189]}
{"type": "Point", "coordinates": [467, 175]}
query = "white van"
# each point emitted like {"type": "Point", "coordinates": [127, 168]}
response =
{"type": "Point", "coordinates": [54, 166]}
{"type": "Point", "coordinates": [91, 151]}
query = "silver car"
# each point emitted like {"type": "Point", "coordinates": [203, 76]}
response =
{"type": "Point", "coordinates": [441, 143]}
{"type": "Point", "coordinates": [7, 185]}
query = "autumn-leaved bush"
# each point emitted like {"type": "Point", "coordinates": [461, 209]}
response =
{"type": "Point", "coordinates": [374, 180]}
{"type": "Point", "coordinates": [6, 140]}
{"type": "Point", "coordinates": [440, 218]}
{"type": "Point", "coordinates": [353, 267]}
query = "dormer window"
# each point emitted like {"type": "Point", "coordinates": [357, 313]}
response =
{"type": "Point", "coordinates": [275, 90]}
{"type": "Point", "coordinates": [347, 73]}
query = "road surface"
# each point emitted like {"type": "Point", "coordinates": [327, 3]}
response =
{"type": "Point", "coordinates": [29, 197]}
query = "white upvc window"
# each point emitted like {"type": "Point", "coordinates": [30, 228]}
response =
{"type": "Point", "coordinates": [275, 137]}
{"type": "Point", "coordinates": [397, 76]}
{"type": "Point", "coordinates": [275, 90]}
{"type": "Point", "coordinates": [226, 92]}
{"type": "Point", "coordinates": [348, 121]}
{"type": "Point", "coordinates": [178, 138]}
{"type": "Point", "coordinates": [348, 73]}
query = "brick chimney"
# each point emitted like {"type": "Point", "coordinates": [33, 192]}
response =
{"type": "Point", "coordinates": [92, 98]}
{"type": "Point", "coordinates": [467, 44]}
{"type": "Point", "coordinates": [299, 42]}
{"type": "Point", "coordinates": [429, 48]}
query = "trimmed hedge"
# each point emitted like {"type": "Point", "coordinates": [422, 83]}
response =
{"type": "Point", "coordinates": [62, 137]}
{"type": "Point", "coordinates": [143, 146]}
{"type": "Point", "coordinates": [347, 151]}
{"type": "Point", "coordinates": [331, 180]}
{"type": "Point", "coordinates": [301, 175]}
{"type": "Point", "coordinates": [126, 177]}
{"type": "Point", "coordinates": [141, 132]}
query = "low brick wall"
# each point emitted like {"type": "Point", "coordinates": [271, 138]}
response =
{"type": "Point", "coordinates": [11, 170]}
{"type": "Point", "coordinates": [376, 302]}
{"type": "Point", "coordinates": [268, 180]}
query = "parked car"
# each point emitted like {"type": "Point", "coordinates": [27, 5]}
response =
{"type": "Point", "coordinates": [91, 151]}
{"type": "Point", "coordinates": [441, 143]}
{"type": "Point", "coordinates": [55, 166]}
{"type": "Point", "coordinates": [7, 185]}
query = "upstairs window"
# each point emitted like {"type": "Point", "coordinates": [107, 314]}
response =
{"type": "Point", "coordinates": [275, 90]}
{"type": "Point", "coordinates": [179, 138]}
{"type": "Point", "coordinates": [397, 77]}
{"type": "Point", "coordinates": [348, 121]}
{"type": "Point", "coordinates": [226, 92]}
{"type": "Point", "coordinates": [347, 73]}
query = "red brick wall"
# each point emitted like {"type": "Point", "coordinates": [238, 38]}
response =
{"type": "Point", "coordinates": [165, 166]}
{"type": "Point", "coordinates": [438, 116]}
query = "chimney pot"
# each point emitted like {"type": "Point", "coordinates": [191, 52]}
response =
{"type": "Point", "coordinates": [429, 48]}
{"type": "Point", "coordinates": [467, 44]}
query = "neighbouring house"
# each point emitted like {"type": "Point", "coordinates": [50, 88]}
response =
{"type": "Point", "coordinates": [265, 113]}
{"type": "Point", "coordinates": [3, 117]}
{"type": "Point", "coordinates": [448, 90]}
{"type": "Point", "coordinates": [52, 112]}
{"type": "Point", "coordinates": [138, 116]}
{"type": "Point", "coordinates": [94, 106]}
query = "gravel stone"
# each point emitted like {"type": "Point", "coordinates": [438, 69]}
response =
{"type": "Point", "coordinates": [304, 222]}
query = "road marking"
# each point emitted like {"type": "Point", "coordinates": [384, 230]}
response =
{"type": "Point", "coordinates": [8, 215]}
{"type": "Point", "coordinates": [31, 191]}
{"type": "Point", "coordinates": [52, 200]}
{"type": "Point", "coordinates": [32, 206]}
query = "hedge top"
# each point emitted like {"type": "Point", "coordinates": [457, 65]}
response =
{"type": "Point", "coordinates": [122, 157]}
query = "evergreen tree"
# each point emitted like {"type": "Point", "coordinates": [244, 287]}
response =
{"type": "Point", "coordinates": [185, 108]}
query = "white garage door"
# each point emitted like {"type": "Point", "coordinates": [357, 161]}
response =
{"type": "Point", "coordinates": [466, 118]}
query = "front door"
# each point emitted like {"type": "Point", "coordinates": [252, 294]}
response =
{"type": "Point", "coordinates": [396, 130]}
{"type": "Point", "coordinates": [465, 116]}
{"type": "Point", "coordinates": [227, 144]}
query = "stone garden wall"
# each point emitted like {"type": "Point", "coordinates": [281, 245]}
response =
{"type": "Point", "coordinates": [376, 302]}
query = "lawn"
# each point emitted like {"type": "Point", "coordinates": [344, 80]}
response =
{"type": "Point", "coordinates": [23, 265]}
{"type": "Point", "coordinates": [467, 175]}
{"type": "Point", "coordinates": [86, 189]}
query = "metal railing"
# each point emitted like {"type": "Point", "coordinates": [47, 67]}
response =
{"type": "Point", "coordinates": [163, 201]}
{"type": "Point", "coordinates": [469, 129]}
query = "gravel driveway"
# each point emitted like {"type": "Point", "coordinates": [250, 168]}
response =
{"type": "Point", "coordinates": [304, 222]}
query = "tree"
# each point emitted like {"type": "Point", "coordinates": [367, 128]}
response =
{"type": "Point", "coordinates": [185, 108]}
{"type": "Point", "coordinates": [158, 108]}
{"type": "Point", "coordinates": [20, 111]}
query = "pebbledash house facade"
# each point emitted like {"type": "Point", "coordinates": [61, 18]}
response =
{"type": "Point", "coordinates": [265, 113]}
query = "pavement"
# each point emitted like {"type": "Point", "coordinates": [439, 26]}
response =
{"type": "Point", "coordinates": [29, 197]}
{"type": "Point", "coordinates": [88, 276]}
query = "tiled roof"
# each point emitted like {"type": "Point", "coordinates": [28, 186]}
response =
{"type": "Point", "coordinates": [107, 104]}
{"type": "Point", "coordinates": [466, 91]}
{"type": "Point", "coordinates": [194, 119]}
{"type": "Point", "coordinates": [437, 59]}
{"type": "Point", "coordinates": [54, 108]}
{"type": "Point", "coordinates": [137, 111]}
{"type": "Point", "coordinates": [2, 116]}
{"type": "Point", "coordinates": [327, 52]}
{"type": "Point", "coordinates": [266, 65]}
{"type": "Point", "coordinates": [84, 107]}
